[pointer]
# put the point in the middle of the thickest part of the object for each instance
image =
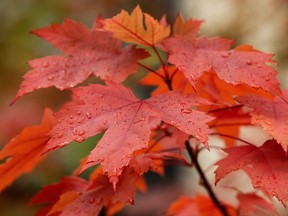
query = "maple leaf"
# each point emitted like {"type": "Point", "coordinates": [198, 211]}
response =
{"type": "Point", "coordinates": [176, 78]}
{"type": "Point", "coordinates": [196, 206]}
{"type": "Point", "coordinates": [189, 29]}
{"type": "Point", "coordinates": [271, 115]}
{"type": "Point", "coordinates": [89, 52]}
{"type": "Point", "coordinates": [211, 87]}
{"type": "Point", "coordinates": [75, 195]}
{"type": "Point", "coordinates": [237, 66]}
{"type": "Point", "coordinates": [228, 121]}
{"type": "Point", "coordinates": [252, 204]}
{"type": "Point", "coordinates": [101, 193]}
{"type": "Point", "coordinates": [139, 27]}
{"type": "Point", "coordinates": [263, 164]}
{"type": "Point", "coordinates": [96, 108]}
{"type": "Point", "coordinates": [51, 194]}
{"type": "Point", "coordinates": [23, 152]}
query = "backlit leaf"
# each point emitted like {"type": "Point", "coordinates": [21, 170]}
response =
{"type": "Point", "coordinates": [139, 28]}
{"type": "Point", "coordinates": [90, 52]}
{"type": "Point", "coordinates": [23, 152]}
{"type": "Point", "coordinates": [264, 165]}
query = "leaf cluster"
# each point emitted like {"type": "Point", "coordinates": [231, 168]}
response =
{"type": "Point", "coordinates": [203, 88]}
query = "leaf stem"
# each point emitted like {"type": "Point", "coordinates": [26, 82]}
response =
{"type": "Point", "coordinates": [225, 108]}
{"type": "Point", "coordinates": [232, 137]}
{"type": "Point", "coordinates": [231, 124]}
{"type": "Point", "coordinates": [167, 78]}
{"type": "Point", "coordinates": [206, 184]}
{"type": "Point", "coordinates": [151, 70]}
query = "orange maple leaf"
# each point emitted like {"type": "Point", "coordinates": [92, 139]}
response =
{"type": "Point", "coordinates": [198, 206]}
{"type": "Point", "coordinates": [23, 152]}
{"type": "Point", "coordinates": [190, 28]}
{"type": "Point", "coordinates": [176, 77]}
{"type": "Point", "coordinates": [139, 27]}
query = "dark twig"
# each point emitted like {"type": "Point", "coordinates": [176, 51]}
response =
{"type": "Point", "coordinates": [205, 182]}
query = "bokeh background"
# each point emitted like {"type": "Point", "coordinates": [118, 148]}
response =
{"type": "Point", "coordinates": [262, 23]}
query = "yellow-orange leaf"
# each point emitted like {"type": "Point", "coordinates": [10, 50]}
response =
{"type": "Point", "coordinates": [23, 152]}
{"type": "Point", "coordinates": [139, 27]}
{"type": "Point", "coordinates": [190, 28]}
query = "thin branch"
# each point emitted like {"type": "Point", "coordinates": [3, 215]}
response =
{"type": "Point", "coordinates": [174, 73]}
{"type": "Point", "coordinates": [230, 124]}
{"type": "Point", "coordinates": [155, 143]}
{"type": "Point", "coordinates": [206, 184]}
{"type": "Point", "coordinates": [167, 78]}
{"type": "Point", "coordinates": [225, 108]}
{"type": "Point", "coordinates": [232, 137]}
{"type": "Point", "coordinates": [151, 70]}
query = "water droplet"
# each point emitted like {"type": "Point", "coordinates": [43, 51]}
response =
{"type": "Point", "coordinates": [74, 131]}
{"type": "Point", "coordinates": [191, 122]}
{"type": "Point", "coordinates": [46, 64]}
{"type": "Point", "coordinates": [131, 201]}
{"type": "Point", "coordinates": [60, 135]}
{"type": "Point", "coordinates": [182, 104]}
{"type": "Point", "coordinates": [259, 66]}
{"type": "Point", "coordinates": [92, 200]}
{"type": "Point", "coordinates": [172, 122]}
{"type": "Point", "coordinates": [81, 132]}
{"type": "Point", "coordinates": [267, 78]}
{"type": "Point", "coordinates": [63, 71]}
{"type": "Point", "coordinates": [258, 183]}
{"type": "Point", "coordinates": [193, 78]}
{"type": "Point", "coordinates": [71, 116]}
{"type": "Point", "coordinates": [249, 62]}
{"type": "Point", "coordinates": [225, 55]}
{"type": "Point", "coordinates": [80, 119]}
{"type": "Point", "coordinates": [79, 139]}
{"type": "Point", "coordinates": [104, 78]}
{"type": "Point", "coordinates": [50, 78]}
{"type": "Point", "coordinates": [185, 111]}
{"type": "Point", "coordinates": [100, 95]}
{"type": "Point", "coordinates": [78, 112]}
{"type": "Point", "coordinates": [89, 115]}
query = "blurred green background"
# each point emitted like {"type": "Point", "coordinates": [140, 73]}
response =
{"type": "Point", "coordinates": [263, 24]}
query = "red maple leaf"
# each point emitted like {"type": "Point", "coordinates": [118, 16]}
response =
{"type": "Point", "coordinates": [89, 52]}
{"type": "Point", "coordinates": [51, 194]}
{"type": "Point", "coordinates": [252, 204]}
{"type": "Point", "coordinates": [237, 66]}
{"type": "Point", "coordinates": [271, 115]}
{"type": "Point", "coordinates": [23, 152]}
{"type": "Point", "coordinates": [96, 108]}
{"type": "Point", "coordinates": [197, 206]}
{"type": "Point", "coordinates": [75, 195]}
{"type": "Point", "coordinates": [228, 121]}
{"type": "Point", "coordinates": [263, 164]}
